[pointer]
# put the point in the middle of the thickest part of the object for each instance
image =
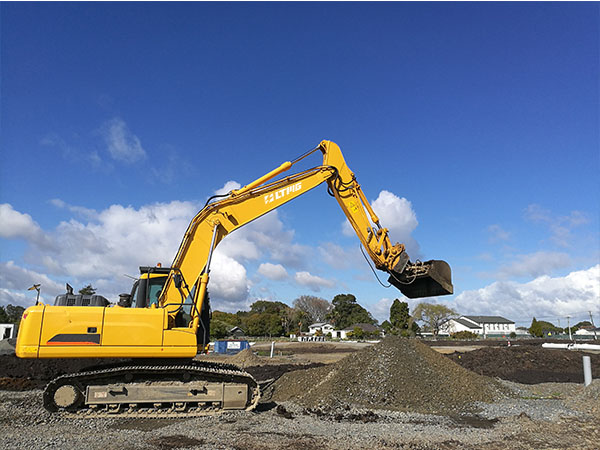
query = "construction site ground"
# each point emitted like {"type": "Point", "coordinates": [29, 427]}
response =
{"type": "Point", "coordinates": [396, 394]}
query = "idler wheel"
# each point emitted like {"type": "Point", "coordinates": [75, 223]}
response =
{"type": "Point", "coordinates": [66, 396]}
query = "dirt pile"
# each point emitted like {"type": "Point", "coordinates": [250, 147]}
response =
{"type": "Point", "coordinates": [397, 374]}
{"type": "Point", "coordinates": [7, 346]}
{"type": "Point", "coordinates": [528, 365]}
{"type": "Point", "coordinates": [246, 358]}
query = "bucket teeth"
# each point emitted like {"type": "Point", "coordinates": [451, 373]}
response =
{"type": "Point", "coordinates": [423, 279]}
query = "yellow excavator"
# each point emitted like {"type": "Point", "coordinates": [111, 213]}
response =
{"type": "Point", "coordinates": [164, 322]}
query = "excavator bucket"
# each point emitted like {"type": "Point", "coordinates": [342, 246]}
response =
{"type": "Point", "coordinates": [423, 279]}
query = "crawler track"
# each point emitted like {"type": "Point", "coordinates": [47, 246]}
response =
{"type": "Point", "coordinates": [189, 389]}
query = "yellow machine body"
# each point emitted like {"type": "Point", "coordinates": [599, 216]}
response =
{"type": "Point", "coordinates": [101, 332]}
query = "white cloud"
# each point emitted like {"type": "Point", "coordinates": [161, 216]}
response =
{"type": "Point", "coordinates": [79, 210]}
{"type": "Point", "coordinates": [15, 225]}
{"type": "Point", "coordinates": [118, 241]}
{"type": "Point", "coordinates": [341, 258]}
{"type": "Point", "coordinates": [313, 282]}
{"type": "Point", "coordinates": [266, 237]}
{"type": "Point", "coordinates": [497, 233]}
{"type": "Point", "coordinates": [395, 214]}
{"type": "Point", "coordinates": [560, 226]}
{"type": "Point", "coordinates": [273, 271]}
{"type": "Point", "coordinates": [535, 264]}
{"type": "Point", "coordinates": [14, 279]}
{"type": "Point", "coordinates": [381, 309]}
{"type": "Point", "coordinates": [121, 143]}
{"type": "Point", "coordinates": [573, 294]}
{"type": "Point", "coordinates": [228, 187]}
{"type": "Point", "coordinates": [10, 297]}
{"type": "Point", "coordinates": [228, 279]}
{"type": "Point", "coordinates": [101, 246]}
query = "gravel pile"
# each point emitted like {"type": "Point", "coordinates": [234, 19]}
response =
{"type": "Point", "coordinates": [396, 374]}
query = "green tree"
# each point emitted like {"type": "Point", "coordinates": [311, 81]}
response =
{"type": "Point", "coordinates": [218, 329]}
{"type": "Point", "coordinates": [299, 321]}
{"type": "Point", "coordinates": [433, 315]}
{"type": "Point", "coordinates": [347, 312]}
{"type": "Point", "coordinates": [358, 333]}
{"type": "Point", "coordinates": [579, 325]}
{"type": "Point", "coordinates": [535, 329]}
{"type": "Point", "coordinates": [87, 290]}
{"type": "Point", "coordinates": [264, 306]}
{"type": "Point", "coordinates": [233, 320]}
{"type": "Point", "coordinates": [541, 328]}
{"type": "Point", "coordinates": [3, 315]}
{"type": "Point", "coordinates": [264, 324]}
{"type": "Point", "coordinates": [400, 318]}
{"type": "Point", "coordinates": [13, 313]}
{"type": "Point", "coordinates": [386, 326]}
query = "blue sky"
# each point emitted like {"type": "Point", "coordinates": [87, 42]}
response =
{"type": "Point", "coordinates": [480, 120]}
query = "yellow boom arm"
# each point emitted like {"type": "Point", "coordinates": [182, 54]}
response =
{"type": "Point", "coordinates": [191, 266]}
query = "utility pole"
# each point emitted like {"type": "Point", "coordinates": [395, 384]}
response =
{"type": "Point", "coordinates": [569, 325]}
{"type": "Point", "coordinates": [594, 326]}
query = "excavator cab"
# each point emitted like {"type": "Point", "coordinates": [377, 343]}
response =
{"type": "Point", "coordinates": [146, 290]}
{"type": "Point", "coordinates": [423, 279]}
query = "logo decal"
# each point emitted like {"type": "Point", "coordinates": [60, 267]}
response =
{"type": "Point", "coordinates": [277, 195]}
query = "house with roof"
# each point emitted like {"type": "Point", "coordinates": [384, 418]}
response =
{"type": "Point", "coordinates": [323, 328]}
{"type": "Point", "coordinates": [481, 325]}
{"type": "Point", "coordinates": [588, 332]}
{"type": "Point", "coordinates": [366, 327]}
{"type": "Point", "coordinates": [236, 332]}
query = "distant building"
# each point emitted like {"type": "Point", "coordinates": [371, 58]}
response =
{"type": "Point", "coordinates": [366, 327]}
{"type": "Point", "coordinates": [7, 331]}
{"type": "Point", "coordinates": [323, 327]}
{"type": "Point", "coordinates": [481, 325]}
{"type": "Point", "coordinates": [588, 331]}
{"type": "Point", "coordinates": [236, 332]}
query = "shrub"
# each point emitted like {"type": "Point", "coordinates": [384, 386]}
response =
{"type": "Point", "coordinates": [464, 335]}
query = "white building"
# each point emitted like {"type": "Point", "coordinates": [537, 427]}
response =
{"type": "Point", "coordinates": [481, 325]}
{"type": "Point", "coordinates": [592, 332]}
{"type": "Point", "coordinates": [7, 331]}
{"type": "Point", "coordinates": [323, 327]}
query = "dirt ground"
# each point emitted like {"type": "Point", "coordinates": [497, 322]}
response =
{"type": "Point", "coordinates": [550, 409]}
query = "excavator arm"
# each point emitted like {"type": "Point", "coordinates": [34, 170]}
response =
{"type": "Point", "coordinates": [191, 266]}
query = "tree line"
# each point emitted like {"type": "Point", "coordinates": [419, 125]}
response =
{"type": "Point", "coordinates": [541, 328]}
{"type": "Point", "coordinates": [274, 318]}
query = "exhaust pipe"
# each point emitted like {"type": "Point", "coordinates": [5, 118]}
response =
{"type": "Point", "coordinates": [422, 279]}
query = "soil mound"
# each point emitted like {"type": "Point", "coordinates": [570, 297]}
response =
{"type": "Point", "coordinates": [43, 370]}
{"type": "Point", "coordinates": [246, 358]}
{"type": "Point", "coordinates": [528, 365]}
{"type": "Point", "coordinates": [397, 374]}
{"type": "Point", "coordinates": [7, 346]}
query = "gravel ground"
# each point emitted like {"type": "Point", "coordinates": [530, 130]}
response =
{"type": "Point", "coordinates": [526, 416]}
{"type": "Point", "coordinates": [557, 415]}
